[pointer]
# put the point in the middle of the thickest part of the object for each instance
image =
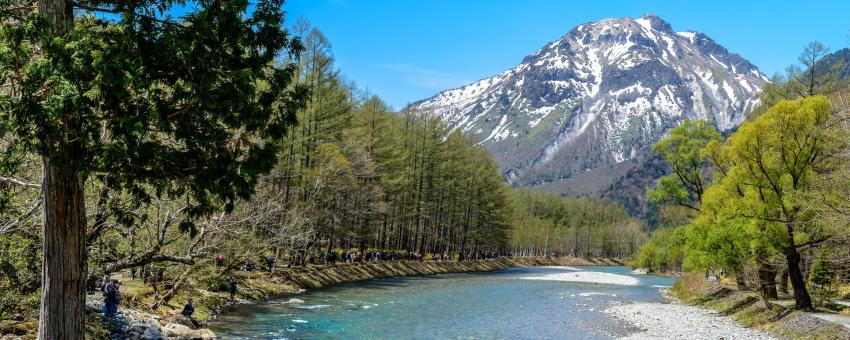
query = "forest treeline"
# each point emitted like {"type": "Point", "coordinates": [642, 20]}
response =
{"type": "Point", "coordinates": [551, 225]}
{"type": "Point", "coordinates": [766, 205]}
{"type": "Point", "coordinates": [270, 153]}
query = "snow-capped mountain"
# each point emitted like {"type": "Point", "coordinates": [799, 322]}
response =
{"type": "Point", "coordinates": [581, 111]}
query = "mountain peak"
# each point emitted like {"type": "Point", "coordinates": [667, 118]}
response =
{"type": "Point", "coordinates": [598, 97]}
{"type": "Point", "coordinates": [652, 21]}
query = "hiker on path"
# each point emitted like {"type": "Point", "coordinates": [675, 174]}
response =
{"type": "Point", "coordinates": [233, 284]}
{"type": "Point", "coordinates": [270, 263]}
{"type": "Point", "coordinates": [111, 296]}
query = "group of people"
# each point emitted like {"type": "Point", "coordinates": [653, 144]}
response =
{"type": "Point", "coordinates": [332, 257]}
{"type": "Point", "coordinates": [482, 255]}
{"type": "Point", "coordinates": [111, 288]}
{"type": "Point", "coordinates": [357, 257]}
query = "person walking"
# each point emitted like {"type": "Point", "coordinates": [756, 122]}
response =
{"type": "Point", "coordinates": [111, 297]}
{"type": "Point", "coordinates": [106, 289]}
{"type": "Point", "coordinates": [270, 263]}
{"type": "Point", "coordinates": [233, 283]}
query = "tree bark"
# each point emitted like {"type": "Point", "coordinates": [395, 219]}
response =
{"type": "Point", "coordinates": [798, 282]}
{"type": "Point", "coordinates": [62, 313]}
{"type": "Point", "coordinates": [739, 280]}
{"type": "Point", "coordinates": [63, 280]}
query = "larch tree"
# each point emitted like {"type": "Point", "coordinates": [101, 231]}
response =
{"type": "Point", "coordinates": [152, 106]}
{"type": "Point", "coordinates": [815, 75]}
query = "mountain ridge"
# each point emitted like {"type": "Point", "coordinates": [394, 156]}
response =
{"type": "Point", "coordinates": [592, 102]}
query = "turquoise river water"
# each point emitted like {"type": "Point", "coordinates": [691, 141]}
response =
{"type": "Point", "coordinates": [495, 305]}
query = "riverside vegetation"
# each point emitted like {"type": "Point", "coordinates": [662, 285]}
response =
{"type": "Point", "coordinates": [130, 139]}
{"type": "Point", "coordinates": [766, 205]}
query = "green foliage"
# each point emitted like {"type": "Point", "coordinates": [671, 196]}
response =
{"type": "Point", "coordinates": [682, 148]}
{"type": "Point", "coordinates": [817, 73]}
{"type": "Point", "coordinates": [775, 159]}
{"type": "Point", "coordinates": [822, 273]}
{"type": "Point", "coordinates": [152, 107]}
{"type": "Point", "coordinates": [356, 176]}
{"type": "Point", "coordinates": [663, 252]}
{"type": "Point", "coordinates": [20, 268]}
{"type": "Point", "coordinates": [546, 224]}
{"type": "Point", "coordinates": [822, 276]}
{"type": "Point", "coordinates": [764, 196]}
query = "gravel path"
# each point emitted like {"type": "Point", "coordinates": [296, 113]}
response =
{"type": "Point", "coordinates": [677, 321]}
{"type": "Point", "coordinates": [832, 317]}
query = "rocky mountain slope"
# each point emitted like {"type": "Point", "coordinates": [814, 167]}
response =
{"type": "Point", "coordinates": [578, 114]}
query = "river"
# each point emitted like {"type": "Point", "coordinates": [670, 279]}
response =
{"type": "Point", "coordinates": [516, 303]}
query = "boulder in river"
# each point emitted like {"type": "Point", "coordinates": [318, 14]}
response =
{"type": "Point", "coordinates": [294, 301]}
{"type": "Point", "coordinates": [179, 331]}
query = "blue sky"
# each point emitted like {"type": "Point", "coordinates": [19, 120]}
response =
{"type": "Point", "coordinates": [405, 50]}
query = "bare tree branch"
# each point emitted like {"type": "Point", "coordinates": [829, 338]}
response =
{"type": "Point", "coordinates": [14, 224]}
{"type": "Point", "coordinates": [19, 182]}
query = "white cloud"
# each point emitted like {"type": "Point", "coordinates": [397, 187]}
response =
{"type": "Point", "coordinates": [426, 77]}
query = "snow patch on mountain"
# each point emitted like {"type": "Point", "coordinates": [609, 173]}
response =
{"type": "Point", "coordinates": [616, 84]}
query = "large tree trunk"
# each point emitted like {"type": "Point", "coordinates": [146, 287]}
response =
{"type": "Point", "coordinates": [798, 282]}
{"type": "Point", "coordinates": [767, 281]}
{"type": "Point", "coordinates": [739, 280]}
{"type": "Point", "coordinates": [63, 279]}
{"type": "Point", "coordinates": [62, 314]}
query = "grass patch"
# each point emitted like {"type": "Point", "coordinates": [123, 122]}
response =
{"type": "Point", "coordinates": [690, 287]}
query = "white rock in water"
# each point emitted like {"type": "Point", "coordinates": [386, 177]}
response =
{"type": "Point", "coordinates": [640, 271]}
{"type": "Point", "coordinates": [184, 332]}
{"type": "Point", "coordinates": [589, 277]}
{"type": "Point", "coordinates": [295, 301]}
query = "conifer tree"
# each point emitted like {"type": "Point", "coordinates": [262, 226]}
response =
{"type": "Point", "coordinates": [151, 106]}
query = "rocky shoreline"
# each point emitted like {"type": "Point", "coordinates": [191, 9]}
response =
{"type": "Point", "coordinates": [699, 309]}
{"type": "Point", "coordinates": [678, 321]}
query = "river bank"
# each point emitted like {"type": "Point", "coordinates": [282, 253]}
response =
{"type": "Point", "coordinates": [536, 302]}
{"type": "Point", "coordinates": [705, 310]}
{"type": "Point", "coordinates": [291, 281]}
{"type": "Point", "coordinates": [679, 321]}
{"type": "Point", "coordinates": [256, 286]}
{"type": "Point", "coordinates": [323, 276]}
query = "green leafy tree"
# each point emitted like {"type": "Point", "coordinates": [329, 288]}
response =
{"type": "Point", "coordinates": [682, 148]}
{"type": "Point", "coordinates": [148, 105]}
{"type": "Point", "coordinates": [773, 161]}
